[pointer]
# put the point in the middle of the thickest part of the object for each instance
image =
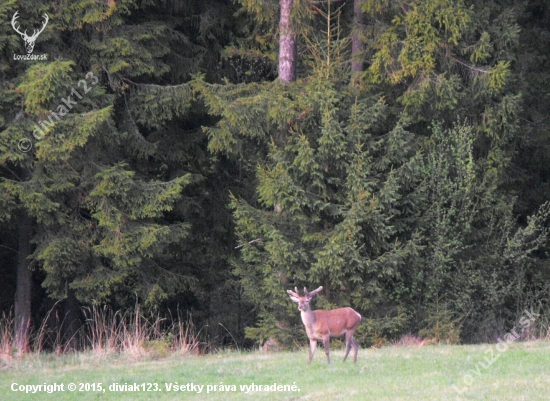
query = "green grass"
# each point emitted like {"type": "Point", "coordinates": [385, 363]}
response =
{"type": "Point", "coordinates": [394, 373]}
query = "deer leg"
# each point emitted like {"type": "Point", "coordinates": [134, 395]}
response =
{"type": "Point", "coordinates": [312, 347]}
{"type": "Point", "coordinates": [349, 339]}
{"type": "Point", "coordinates": [326, 343]}
{"type": "Point", "coordinates": [355, 349]}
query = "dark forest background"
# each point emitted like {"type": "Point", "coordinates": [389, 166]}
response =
{"type": "Point", "coordinates": [217, 153]}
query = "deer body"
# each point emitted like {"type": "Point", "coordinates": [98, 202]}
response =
{"type": "Point", "coordinates": [323, 324]}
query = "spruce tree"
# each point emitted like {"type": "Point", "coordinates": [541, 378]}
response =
{"type": "Point", "coordinates": [451, 62]}
{"type": "Point", "coordinates": [331, 193]}
{"type": "Point", "coordinates": [381, 193]}
{"type": "Point", "coordinates": [108, 180]}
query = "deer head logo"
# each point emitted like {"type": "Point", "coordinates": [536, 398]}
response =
{"type": "Point", "coordinates": [29, 40]}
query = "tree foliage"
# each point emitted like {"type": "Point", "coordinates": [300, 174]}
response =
{"type": "Point", "coordinates": [403, 167]}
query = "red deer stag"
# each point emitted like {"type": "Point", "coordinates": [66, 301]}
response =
{"type": "Point", "coordinates": [323, 324]}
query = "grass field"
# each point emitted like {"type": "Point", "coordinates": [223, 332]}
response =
{"type": "Point", "coordinates": [520, 372]}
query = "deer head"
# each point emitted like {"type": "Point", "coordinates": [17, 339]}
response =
{"type": "Point", "coordinates": [29, 40]}
{"type": "Point", "coordinates": [303, 302]}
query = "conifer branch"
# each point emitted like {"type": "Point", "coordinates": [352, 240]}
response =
{"type": "Point", "coordinates": [5, 167]}
{"type": "Point", "coordinates": [474, 69]}
{"type": "Point", "coordinates": [249, 242]}
{"type": "Point", "coordinates": [184, 85]}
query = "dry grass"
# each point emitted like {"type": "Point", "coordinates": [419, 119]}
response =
{"type": "Point", "coordinates": [136, 335]}
{"type": "Point", "coordinates": [105, 332]}
{"type": "Point", "coordinates": [7, 340]}
{"type": "Point", "coordinates": [408, 340]}
{"type": "Point", "coordinates": [133, 335]}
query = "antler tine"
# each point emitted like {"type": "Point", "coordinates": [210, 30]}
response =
{"type": "Point", "coordinates": [35, 34]}
{"type": "Point", "coordinates": [294, 294]}
{"type": "Point", "coordinates": [45, 22]}
{"type": "Point", "coordinates": [13, 22]}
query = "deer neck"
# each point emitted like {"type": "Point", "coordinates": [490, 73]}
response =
{"type": "Point", "coordinates": [308, 318]}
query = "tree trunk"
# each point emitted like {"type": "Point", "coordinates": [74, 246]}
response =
{"type": "Point", "coordinates": [70, 323]}
{"type": "Point", "coordinates": [357, 39]}
{"type": "Point", "coordinates": [287, 57]}
{"type": "Point", "coordinates": [287, 43]}
{"type": "Point", "coordinates": [23, 287]}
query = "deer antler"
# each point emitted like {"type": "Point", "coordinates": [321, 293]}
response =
{"type": "Point", "coordinates": [35, 34]}
{"type": "Point", "coordinates": [312, 293]}
{"type": "Point", "coordinates": [308, 294]}
{"type": "Point", "coordinates": [24, 34]}
{"type": "Point", "coordinates": [15, 27]}
{"type": "Point", "coordinates": [294, 293]}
